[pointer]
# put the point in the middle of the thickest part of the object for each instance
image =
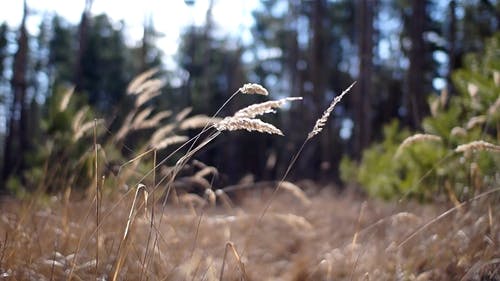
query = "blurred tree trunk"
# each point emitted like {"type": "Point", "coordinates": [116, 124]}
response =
{"type": "Point", "coordinates": [17, 139]}
{"type": "Point", "coordinates": [363, 90]}
{"type": "Point", "coordinates": [82, 45]}
{"type": "Point", "coordinates": [415, 76]}
{"type": "Point", "coordinates": [319, 72]}
{"type": "Point", "coordinates": [3, 47]}
{"type": "Point", "coordinates": [452, 52]}
{"type": "Point", "coordinates": [208, 73]}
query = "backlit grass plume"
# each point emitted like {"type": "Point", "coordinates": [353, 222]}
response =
{"type": "Point", "coordinates": [320, 123]}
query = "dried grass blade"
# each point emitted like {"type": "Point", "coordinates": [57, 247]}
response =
{"type": "Point", "coordinates": [230, 245]}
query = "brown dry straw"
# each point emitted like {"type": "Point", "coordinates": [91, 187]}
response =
{"type": "Point", "coordinates": [230, 245]}
{"type": "Point", "coordinates": [123, 246]}
{"type": "Point", "coordinates": [246, 89]}
{"type": "Point", "coordinates": [318, 127]}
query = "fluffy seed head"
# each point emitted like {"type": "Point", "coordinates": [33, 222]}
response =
{"type": "Point", "coordinates": [198, 121]}
{"type": "Point", "coordinates": [170, 141]}
{"type": "Point", "coordinates": [251, 88]}
{"type": "Point", "coordinates": [477, 145]}
{"type": "Point", "coordinates": [494, 108]}
{"type": "Point", "coordinates": [473, 90]}
{"type": "Point", "coordinates": [262, 108]}
{"type": "Point", "coordinates": [134, 86]}
{"type": "Point", "coordinates": [296, 191]}
{"type": "Point", "coordinates": [476, 121]}
{"type": "Point", "coordinates": [417, 138]}
{"type": "Point", "coordinates": [458, 132]}
{"type": "Point", "coordinates": [235, 123]}
{"type": "Point", "coordinates": [65, 99]}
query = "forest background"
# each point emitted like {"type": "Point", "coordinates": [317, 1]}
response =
{"type": "Point", "coordinates": [402, 54]}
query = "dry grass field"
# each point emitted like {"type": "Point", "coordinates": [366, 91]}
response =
{"type": "Point", "coordinates": [327, 237]}
{"type": "Point", "coordinates": [264, 231]}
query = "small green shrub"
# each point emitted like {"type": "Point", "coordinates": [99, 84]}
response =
{"type": "Point", "coordinates": [427, 169]}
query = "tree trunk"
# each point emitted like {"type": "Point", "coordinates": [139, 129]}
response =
{"type": "Point", "coordinates": [415, 76]}
{"type": "Point", "coordinates": [82, 45]}
{"type": "Point", "coordinates": [16, 140]}
{"type": "Point", "coordinates": [363, 89]}
{"type": "Point", "coordinates": [452, 52]}
{"type": "Point", "coordinates": [318, 78]}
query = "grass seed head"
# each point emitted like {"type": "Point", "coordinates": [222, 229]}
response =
{"type": "Point", "coordinates": [234, 123]}
{"type": "Point", "coordinates": [320, 123]}
{"type": "Point", "coordinates": [477, 145]}
{"type": "Point", "coordinates": [262, 108]}
{"type": "Point", "coordinates": [251, 88]}
{"type": "Point", "coordinates": [417, 138]}
{"type": "Point", "coordinates": [198, 121]}
{"type": "Point", "coordinates": [135, 85]}
{"type": "Point", "coordinates": [170, 141]}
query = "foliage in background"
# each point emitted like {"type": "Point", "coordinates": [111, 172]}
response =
{"type": "Point", "coordinates": [64, 155]}
{"type": "Point", "coordinates": [428, 168]}
{"type": "Point", "coordinates": [297, 48]}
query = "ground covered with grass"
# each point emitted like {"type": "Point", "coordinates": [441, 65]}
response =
{"type": "Point", "coordinates": [326, 236]}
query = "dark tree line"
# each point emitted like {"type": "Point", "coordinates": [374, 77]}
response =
{"type": "Point", "coordinates": [397, 51]}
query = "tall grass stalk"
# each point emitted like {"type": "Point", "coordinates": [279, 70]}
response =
{"type": "Point", "coordinates": [98, 201]}
{"type": "Point", "coordinates": [123, 246]}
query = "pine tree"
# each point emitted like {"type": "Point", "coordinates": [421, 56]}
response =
{"type": "Point", "coordinates": [17, 140]}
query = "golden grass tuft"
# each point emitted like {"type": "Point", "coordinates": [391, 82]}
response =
{"type": "Point", "coordinates": [255, 110]}
{"type": "Point", "coordinates": [66, 98]}
{"type": "Point", "coordinates": [416, 139]}
{"type": "Point", "coordinates": [495, 107]}
{"type": "Point", "coordinates": [134, 86]}
{"type": "Point", "coordinates": [477, 146]}
{"type": "Point", "coordinates": [476, 121]}
{"type": "Point", "coordinates": [85, 128]}
{"type": "Point", "coordinates": [251, 88]}
{"type": "Point", "coordinates": [169, 141]}
{"type": "Point", "coordinates": [458, 132]}
{"type": "Point", "coordinates": [296, 192]}
{"type": "Point", "coordinates": [198, 121]}
{"type": "Point", "coordinates": [248, 124]}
